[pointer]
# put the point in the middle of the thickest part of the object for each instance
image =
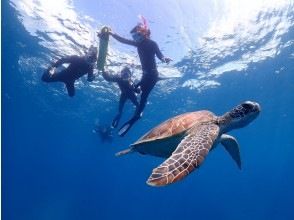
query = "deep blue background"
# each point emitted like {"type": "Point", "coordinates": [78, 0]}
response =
{"type": "Point", "coordinates": [54, 167]}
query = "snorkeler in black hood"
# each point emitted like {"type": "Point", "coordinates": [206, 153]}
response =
{"type": "Point", "coordinates": [128, 91]}
{"type": "Point", "coordinates": [78, 66]}
{"type": "Point", "coordinates": [147, 50]}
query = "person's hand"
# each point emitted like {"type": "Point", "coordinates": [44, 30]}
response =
{"type": "Point", "coordinates": [110, 32]}
{"type": "Point", "coordinates": [51, 70]}
{"type": "Point", "coordinates": [107, 31]}
{"type": "Point", "coordinates": [137, 90]}
{"type": "Point", "coordinates": [98, 34]}
{"type": "Point", "coordinates": [167, 60]}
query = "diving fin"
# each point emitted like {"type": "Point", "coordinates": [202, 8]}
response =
{"type": "Point", "coordinates": [124, 129]}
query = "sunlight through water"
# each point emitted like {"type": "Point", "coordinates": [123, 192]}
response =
{"type": "Point", "coordinates": [240, 35]}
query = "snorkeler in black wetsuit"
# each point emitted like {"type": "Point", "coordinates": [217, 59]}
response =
{"type": "Point", "coordinates": [127, 90]}
{"type": "Point", "coordinates": [147, 49]}
{"type": "Point", "coordinates": [78, 66]}
{"type": "Point", "coordinates": [105, 132]}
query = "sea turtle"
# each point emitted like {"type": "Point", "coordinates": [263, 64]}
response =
{"type": "Point", "coordinates": [186, 139]}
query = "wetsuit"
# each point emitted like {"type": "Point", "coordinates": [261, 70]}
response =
{"type": "Point", "coordinates": [147, 49]}
{"type": "Point", "coordinates": [78, 66]}
{"type": "Point", "coordinates": [127, 92]}
{"type": "Point", "coordinates": [104, 132]}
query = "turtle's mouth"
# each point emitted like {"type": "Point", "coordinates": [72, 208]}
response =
{"type": "Point", "coordinates": [250, 106]}
{"type": "Point", "coordinates": [257, 107]}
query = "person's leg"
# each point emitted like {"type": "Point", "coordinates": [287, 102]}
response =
{"type": "Point", "coordinates": [70, 88]}
{"type": "Point", "coordinates": [63, 76]}
{"type": "Point", "coordinates": [133, 98]}
{"type": "Point", "coordinates": [122, 101]}
{"type": "Point", "coordinates": [47, 77]}
{"type": "Point", "coordinates": [147, 85]}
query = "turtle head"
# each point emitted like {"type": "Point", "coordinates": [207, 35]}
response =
{"type": "Point", "coordinates": [242, 115]}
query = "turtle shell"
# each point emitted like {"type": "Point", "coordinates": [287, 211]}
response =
{"type": "Point", "coordinates": [176, 125]}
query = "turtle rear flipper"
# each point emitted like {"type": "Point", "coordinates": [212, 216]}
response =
{"type": "Point", "coordinates": [232, 146]}
{"type": "Point", "coordinates": [188, 155]}
{"type": "Point", "coordinates": [123, 152]}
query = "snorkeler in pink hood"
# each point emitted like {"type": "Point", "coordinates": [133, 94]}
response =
{"type": "Point", "coordinates": [147, 50]}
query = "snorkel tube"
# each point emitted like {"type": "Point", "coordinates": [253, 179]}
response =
{"type": "Point", "coordinates": [144, 23]}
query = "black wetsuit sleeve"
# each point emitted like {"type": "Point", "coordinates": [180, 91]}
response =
{"type": "Point", "coordinates": [109, 77]}
{"type": "Point", "coordinates": [91, 76]}
{"type": "Point", "coordinates": [134, 87]}
{"type": "Point", "coordinates": [158, 52]}
{"type": "Point", "coordinates": [63, 60]}
{"type": "Point", "coordinates": [124, 40]}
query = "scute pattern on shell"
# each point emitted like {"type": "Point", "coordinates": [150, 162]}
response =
{"type": "Point", "coordinates": [176, 125]}
{"type": "Point", "coordinates": [188, 156]}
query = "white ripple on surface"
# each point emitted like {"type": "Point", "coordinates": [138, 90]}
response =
{"type": "Point", "coordinates": [246, 33]}
{"type": "Point", "coordinates": [56, 24]}
{"type": "Point", "coordinates": [65, 32]}
{"type": "Point", "coordinates": [239, 34]}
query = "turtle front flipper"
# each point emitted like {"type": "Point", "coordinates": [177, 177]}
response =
{"type": "Point", "coordinates": [188, 155]}
{"type": "Point", "coordinates": [232, 146]}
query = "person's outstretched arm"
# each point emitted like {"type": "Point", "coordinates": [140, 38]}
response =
{"type": "Point", "coordinates": [110, 77]}
{"type": "Point", "coordinates": [123, 40]}
{"type": "Point", "coordinates": [91, 75]}
{"type": "Point", "coordinates": [160, 55]}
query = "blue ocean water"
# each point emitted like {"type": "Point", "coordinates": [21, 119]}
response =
{"type": "Point", "coordinates": [226, 52]}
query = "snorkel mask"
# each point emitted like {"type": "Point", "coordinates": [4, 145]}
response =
{"type": "Point", "coordinates": [138, 37]}
{"type": "Point", "coordinates": [141, 30]}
